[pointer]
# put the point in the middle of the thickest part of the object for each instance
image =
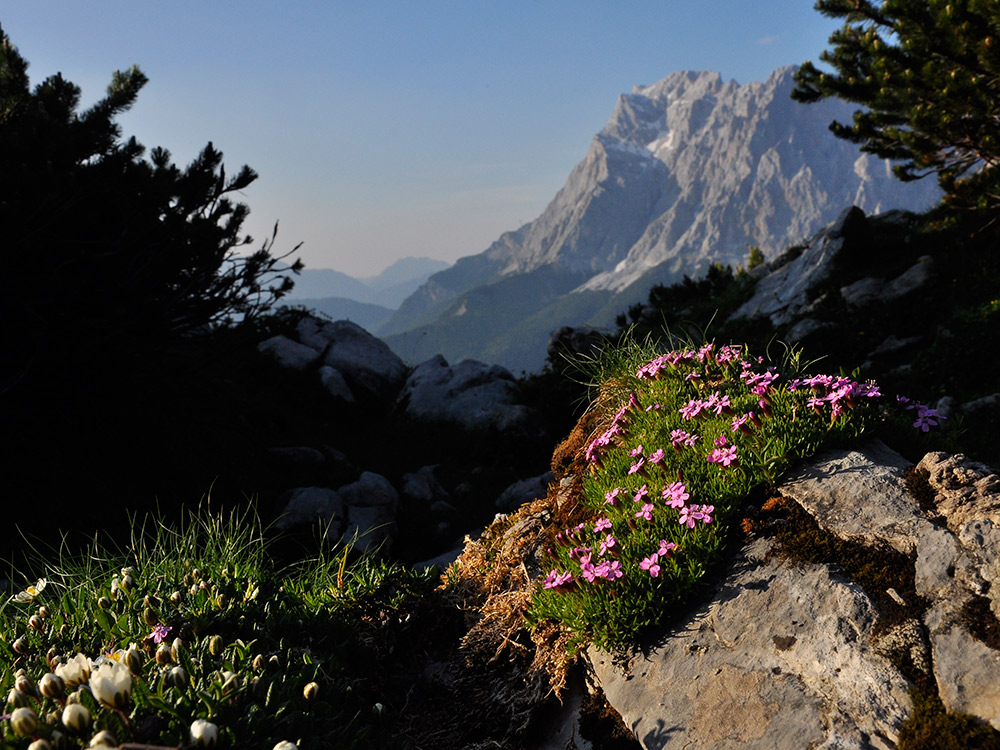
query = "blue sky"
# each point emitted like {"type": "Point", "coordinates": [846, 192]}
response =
{"type": "Point", "coordinates": [387, 129]}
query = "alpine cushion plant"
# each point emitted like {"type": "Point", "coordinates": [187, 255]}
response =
{"type": "Point", "coordinates": [689, 434]}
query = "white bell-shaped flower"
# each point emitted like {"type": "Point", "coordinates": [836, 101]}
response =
{"type": "Point", "coordinates": [111, 684]}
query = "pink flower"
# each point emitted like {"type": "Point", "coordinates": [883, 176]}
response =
{"type": "Point", "coordinates": [637, 451]}
{"type": "Point", "coordinates": [601, 525]}
{"type": "Point", "coordinates": [926, 417]}
{"type": "Point", "coordinates": [675, 495]}
{"type": "Point", "coordinates": [657, 456]}
{"type": "Point", "coordinates": [611, 498]}
{"type": "Point", "coordinates": [724, 456]}
{"type": "Point", "coordinates": [639, 467]}
{"type": "Point", "coordinates": [555, 579]}
{"type": "Point", "coordinates": [649, 564]}
{"type": "Point", "coordinates": [646, 512]}
{"type": "Point", "coordinates": [608, 545]}
{"type": "Point", "coordinates": [666, 548]}
{"type": "Point", "coordinates": [641, 494]}
{"type": "Point", "coordinates": [691, 409]}
{"type": "Point", "coordinates": [160, 632]}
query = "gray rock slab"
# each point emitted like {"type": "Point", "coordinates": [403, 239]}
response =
{"type": "Point", "coordinates": [783, 293]}
{"type": "Point", "coordinates": [860, 495]}
{"type": "Point", "coordinates": [365, 361]}
{"type": "Point", "coordinates": [334, 384]}
{"type": "Point", "coordinates": [524, 491]}
{"type": "Point", "coordinates": [862, 292]}
{"type": "Point", "coordinates": [370, 529]}
{"type": "Point", "coordinates": [805, 674]}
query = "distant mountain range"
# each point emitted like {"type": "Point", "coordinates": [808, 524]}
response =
{"type": "Point", "coordinates": [368, 301]}
{"type": "Point", "coordinates": [688, 171]}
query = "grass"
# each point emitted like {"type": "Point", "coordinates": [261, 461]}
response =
{"type": "Point", "coordinates": [264, 654]}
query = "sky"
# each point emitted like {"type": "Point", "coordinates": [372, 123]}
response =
{"type": "Point", "coordinates": [382, 130]}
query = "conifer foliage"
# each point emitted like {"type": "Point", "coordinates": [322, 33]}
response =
{"type": "Point", "coordinates": [95, 235]}
{"type": "Point", "coordinates": [928, 75]}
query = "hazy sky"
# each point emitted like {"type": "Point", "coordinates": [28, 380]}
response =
{"type": "Point", "coordinates": [386, 129]}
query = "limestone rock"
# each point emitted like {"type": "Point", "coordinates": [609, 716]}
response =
{"type": "Point", "coordinates": [335, 384]}
{"type": "Point", "coordinates": [310, 505]}
{"type": "Point", "coordinates": [787, 656]}
{"type": "Point", "coordinates": [371, 490]}
{"type": "Point", "coordinates": [782, 294]}
{"type": "Point", "coordinates": [288, 353]}
{"type": "Point", "coordinates": [782, 657]}
{"type": "Point", "coordinates": [422, 486]}
{"type": "Point", "coordinates": [365, 361]}
{"type": "Point", "coordinates": [524, 491]}
{"type": "Point", "coordinates": [471, 394]}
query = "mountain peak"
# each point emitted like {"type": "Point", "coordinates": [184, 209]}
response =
{"type": "Point", "coordinates": [689, 171]}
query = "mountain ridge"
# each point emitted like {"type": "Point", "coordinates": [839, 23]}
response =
{"type": "Point", "coordinates": [688, 171]}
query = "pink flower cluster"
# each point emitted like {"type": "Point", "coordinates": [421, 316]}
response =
{"type": "Point", "coordinates": [719, 404]}
{"type": "Point", "coordinates": [926, 416]}
{"type": "Point", "coordinates": [595, 451]}
{"type": "Point", "coordinates": [838, 393]}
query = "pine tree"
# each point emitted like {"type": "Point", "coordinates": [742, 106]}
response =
{"type": "Point", "coordinates": [101, 245]}
{"type": "Point", "coordinates": [928, 75]}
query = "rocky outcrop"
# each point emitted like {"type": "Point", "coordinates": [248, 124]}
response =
{"type": "Point", "coordinates": [470, 394]}
{"type": "Point", "coordinates": [792, 655]}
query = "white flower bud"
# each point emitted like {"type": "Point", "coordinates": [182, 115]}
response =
{"type": "Point", "coordinates": [111, 684]}
{"type": "Point", "coordinates": [52, 685]}
{"type": "Point", "coordinates": [74, 672]}
{"type": "Point", "coordinates": [204, 733]}
{"type": "Point", "coordinates": [76, 718]}
{"type": "Point", "coordinates": [103, 739]}
{"type": "Point", "coordinates": [24, 722]}
{"type": "Point", "coordinates": [40, 745]}
{"type": "Point", "coordinates": [310, 691]}
{"type": "Point", "coordinates": [177, 677]}
{"type": "Point", "coordinates": [286, 745]}
{"type": "Point", "coordinates": [25, 684]}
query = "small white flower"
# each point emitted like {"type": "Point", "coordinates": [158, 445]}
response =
{"type": "Point", "coordinates": [31, 593]}
{"type": "Point", "coordinates": [74, 672]}
{"type": "Point", "coordinates": [111, 684]}
{"type": "Point", "coordinates": [204, 733]}
{"type": "Point", "coordinates": [286, 745]}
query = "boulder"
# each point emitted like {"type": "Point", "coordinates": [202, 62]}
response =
{"type": "Point", "coordinates": [423, 487]}
{"type": "Point", "coordinates": [366, 362]}
{"type": "Point", "coordinates": [471, 394]}
{"type": "Point", "coordinates": [305, 506]}
{"type": "Point", "coordinates": [288, 352]}
{"type": "Point", "coordinates": [371, 490]}
{"type": "Point", "coordinates": [335, 384]}
{"type": "Point", "coordinates": [782, 657]}
{"type": "Point", "coordinates": [524, 491]}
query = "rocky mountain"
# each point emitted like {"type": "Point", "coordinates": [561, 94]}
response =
{"type": "Point", "coordinates": [689, 171]}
